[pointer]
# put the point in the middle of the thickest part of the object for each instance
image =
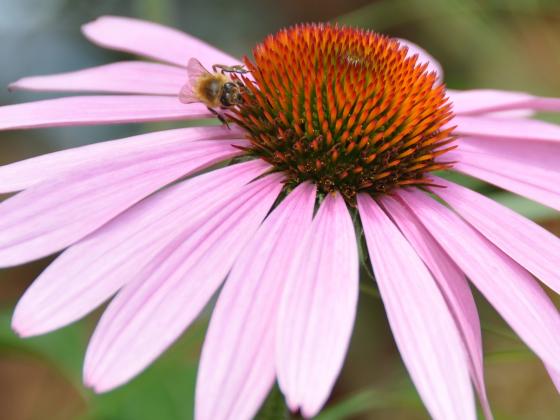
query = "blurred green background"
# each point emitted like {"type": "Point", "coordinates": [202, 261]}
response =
{"type": "Point", "coordinates": [482, 44]}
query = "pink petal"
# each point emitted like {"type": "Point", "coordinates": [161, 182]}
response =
{"type": "Point", "coordinates": [507, 129]}
{"type": "Point", "coordinates": [529, 244]}
{"type": "Point", "coordinates": [515, 182]}
{"type": "Point", "coordinates": [453, 286]}
{"type": "Point", "coordinates": [150, 313]}
{"type": "Point", "coordinates": [236, 368]}
{"type": "Point", "coordinates": [516, 113]}
{"type": "Point", "coordinates": [91, 110]}
{"type": "Point", "coordinates": [318, 308]}
{"type": "Point", "coordinates": [546, 104]}
{"type": "Point", "coordinates": [423, 57]}
{"type": "Point", "coordinates": [53, 215]}
{"type": "Point", "coordinates": [124, 77]}
{"type": "Point", "coordinates": [535, 168]}
{"type": "Point", "coordinates": [554, 376]}
{"type": "Point", "coordinates": [91, 271]}
{"type": "Point", "coordinates": [152, 40]}
{"type": "Point", "coordinates": [422, 324]}
{"type": "Point", "coordinates": [485, 100]}
{"type": "Point", "coordinates": [512, 291]}
{"type": "Point", "coordinates": [541, 155]}
{"type": "Point", "coordinates": [30, 172]}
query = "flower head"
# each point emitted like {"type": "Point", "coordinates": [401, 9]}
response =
{"type": "Point", "coordinates": [332, 122]}
{"type": "Point", "coordinates": [344, 108]}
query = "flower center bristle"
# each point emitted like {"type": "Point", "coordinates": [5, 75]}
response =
{"type": "Point", "coordinates": [344, 108]}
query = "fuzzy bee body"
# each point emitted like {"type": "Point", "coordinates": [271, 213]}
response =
{"type": "Point", "coordinates": [215, 90]}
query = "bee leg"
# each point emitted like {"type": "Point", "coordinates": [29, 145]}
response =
{"type": "Point", "coordinates": [219, 116]}
{"type": "Point", "coordinates": [238, 68]}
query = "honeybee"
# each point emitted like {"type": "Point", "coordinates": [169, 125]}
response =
{"type": "Point", "coordinates": [215, 90]}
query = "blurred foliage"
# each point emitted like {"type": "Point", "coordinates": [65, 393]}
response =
{"type": "Point", "coordinates": [481, 43]}
{"type": "Point", "coordinates": [165, 390]}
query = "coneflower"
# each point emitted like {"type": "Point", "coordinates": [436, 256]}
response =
{"type": "Point", "coordinates": [332, 147]}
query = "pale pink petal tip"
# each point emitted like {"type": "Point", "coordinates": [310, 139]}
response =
{"type": "Point", "coordinates": [152, 40]}
{"type": "Point", "coordinates": [98, 388]}
{"type": "Point", "coordinates": [18, 328]}
{"type": "Point", "coordinates": [554, 376]}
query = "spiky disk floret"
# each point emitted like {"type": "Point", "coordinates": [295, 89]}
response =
{"type": "Point", "coordinates": [344, 108]}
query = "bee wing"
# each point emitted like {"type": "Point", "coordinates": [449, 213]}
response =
{"type": "Point", "coordinates": [187, 95]}
{"type": "Point", "coordinates": [194, 71]}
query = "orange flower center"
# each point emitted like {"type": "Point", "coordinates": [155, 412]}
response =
{"type": "Point", "coordinates": [345, 109]}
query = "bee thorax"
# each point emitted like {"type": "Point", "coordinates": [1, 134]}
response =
{"type": "Point", "coordinates": [231, 94]}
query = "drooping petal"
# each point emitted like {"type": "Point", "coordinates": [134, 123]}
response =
{"type": "Point", "coordinates": [506, 128]}
{"type": "Point", "coordinates": [422, 324]}
{"type": "Point", "coordinates": [532, 187]}
{"type": "Point", "coordinates": [91, 271]}
{"type": "Point", "coordinates": [92, 110]}
{"type": "Point", "coordinates": [478, 101]}
{"type": "Point", "coordinates": [150, 313]}
{"type": "Point", "coordinates": [55, 214]}
{"type": "Point", "coordinates": [529, 244]}
{"type": "Point", "coordinates": [237, 366]}
{"type": "Point", "coordinates": [454, 287]}
{"type": "Point", "coordinates": [124, 77]}
{"type": "Point", "coordinates": [152, 40]}
{"type": "Point", "coordinates": [318, 307]}
{"type": "Point", "coordinates": [30, 172]}
{"type": "Point", "coordinates": [423, 57]}
{"type": "Point", "coordinates": [519, 300]}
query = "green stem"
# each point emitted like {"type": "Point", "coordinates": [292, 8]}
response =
{"type": "Point", "coordinates": [369, 290]}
